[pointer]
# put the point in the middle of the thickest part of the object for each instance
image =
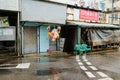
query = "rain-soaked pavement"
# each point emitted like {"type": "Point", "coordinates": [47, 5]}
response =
{"type": "Point", "coordinates": [92, 67]}
{"type": "Point", "coordinates": [109, 63]}
{"type": "Point", "coordinates": [42, 68]}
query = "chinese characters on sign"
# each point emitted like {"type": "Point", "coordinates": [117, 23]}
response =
{"type": "Point", "coordinates": [92, 4]}
{"type": "Point", "coordinates": [88, 15]}
{"type": "Point", "coordinates": [82, 15]}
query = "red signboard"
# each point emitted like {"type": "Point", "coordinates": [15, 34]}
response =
{"type": "Point", "coordinates": [88, 15]}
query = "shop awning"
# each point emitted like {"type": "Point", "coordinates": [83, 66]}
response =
{"type": "Point", "coordinates": [92, 25]}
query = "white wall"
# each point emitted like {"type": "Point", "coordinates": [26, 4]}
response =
{"type": "Point", "coordinates": [40, 11]}
{"type": "Point", "coordinates": [12, 5]}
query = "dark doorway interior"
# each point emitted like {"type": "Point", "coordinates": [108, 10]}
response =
{"type": "Point", "coordinates": [69, 33]}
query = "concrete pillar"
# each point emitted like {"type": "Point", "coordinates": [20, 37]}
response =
{"type": "Point", "coordinates": [79, 35]}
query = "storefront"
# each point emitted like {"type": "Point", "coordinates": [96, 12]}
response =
{"type": "Point", "coordinates": [30, 39]}
{"type": "Point", "coordinates": [90, 29]}
{"type": "Point", "coordinates": [34, 24]}
{"type": "Point", "coordinates": [8, 26]}
{"type": "Point", "coordinates": [97, 36]}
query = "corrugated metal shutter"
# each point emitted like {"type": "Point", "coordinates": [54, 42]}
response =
{"type": "Point", "coordinates": [30, 39]}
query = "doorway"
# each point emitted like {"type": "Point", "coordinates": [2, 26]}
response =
{"type": "Point", "coordinates": [30, 39]}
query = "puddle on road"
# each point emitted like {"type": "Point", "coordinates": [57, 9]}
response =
{"type": "Point", "coordinates": [43, 72]}
{"type": "Point", "coordinates": [46, 70]}
{"type": "Point", "coordinates": [46, 59]}
{"type": "Point", "coordinates": [53, 71]}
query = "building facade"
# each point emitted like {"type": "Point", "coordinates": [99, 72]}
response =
{"type": "Point", "coordinates": [113, 12]}
{"type": "Point", "coordinates": [86, 23]}
{"type": "Point", "coordinates": [36, 17]}
{"type": "Point", "coordinates": [9, 20]}
{"type": "Point", "coordinates": [36, 23]}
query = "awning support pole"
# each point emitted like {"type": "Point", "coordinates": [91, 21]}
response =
{"type": "Point", "coordinates": [79, 35]}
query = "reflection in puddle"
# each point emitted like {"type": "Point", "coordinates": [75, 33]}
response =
{"type": "Point", "coordinates": [47, 72]}
{"type": "Point", "coordinates": [43, 72]}
{"type": "Point", "coordinates": [53, 71]}
{"type": "Point", "coordinates": [44, 59]}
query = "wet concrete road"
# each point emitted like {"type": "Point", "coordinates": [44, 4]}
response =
{"type": "Point", "coordinates": [109, 63]}
{"type": "Point", "coordinates": [63, 68]}
{"type": "Point", "coordinates": [44, 68]}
